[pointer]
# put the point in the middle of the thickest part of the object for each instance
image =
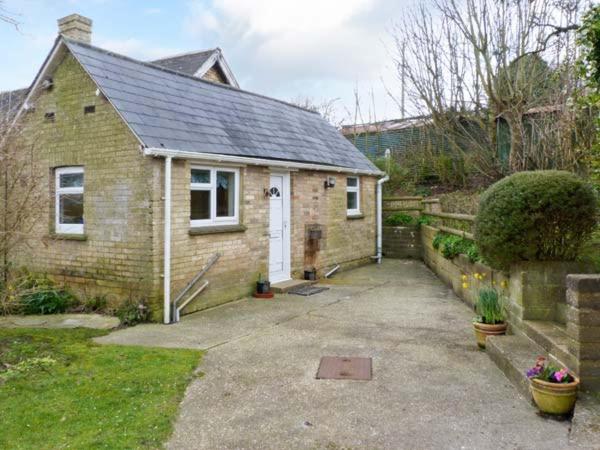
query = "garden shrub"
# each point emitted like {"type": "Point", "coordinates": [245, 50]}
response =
{"type": "Point", "coordinates": [399, 219]}
{"type": "Point", "coordinates": [94, 304]}
{"type": "Point", "coordinates": [451, 246]}
{"type": "Point", "coordinates": [437, 240]}
{"type": "Point", "coordinates": [535, 216]}
{"type": "Point", "coordinates": [132, 312]}
{"type": "Point", "coordinates": [40, 295]}
{"type": "Point", "coordinates": [425, 220]}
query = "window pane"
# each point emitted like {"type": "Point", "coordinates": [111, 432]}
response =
{"type": "Point", "coordinates": [225, 194]}
{"type": "Point", "coordinates": [68, 180]}
{"type": "Point", "coordinates": [200, 176]}
{"type": "Point", "coordinates": [71, 209]}
{"type": "Point", "coordinates": [352, 181]}
{"type": "Point", "coordinates": [352, 200]}
{"type": "Point", "coordinates": [200, 207]}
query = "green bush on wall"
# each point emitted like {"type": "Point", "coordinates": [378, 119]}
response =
{"type": "Point", "coordinates": [398, 219]}
{"type": "Point", "coordinates": [451, 246]}
{"type": "Point", "coordinates": [535, 216]}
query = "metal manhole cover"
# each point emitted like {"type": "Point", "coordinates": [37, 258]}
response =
{"type": "Point", "coordinates": [307, 290]}
{"type": "Point", "coordinates": [344, 368]}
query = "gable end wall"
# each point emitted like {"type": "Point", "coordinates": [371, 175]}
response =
{"type": "Point", "coordinates": [116, 259]}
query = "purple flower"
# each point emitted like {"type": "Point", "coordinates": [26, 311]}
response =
{"type": "Point", "coordinates": [534, 371]}
{"type": "Point", "coordinates": [560, 375]}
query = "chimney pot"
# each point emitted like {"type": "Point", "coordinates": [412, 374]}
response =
{"type": "Point", "coordinates": [76, 27]}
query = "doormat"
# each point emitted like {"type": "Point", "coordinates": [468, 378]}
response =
{"type": "Point", "coordinates": [307, 290]}
{"type": "Point", "coordinates": [344, 368]}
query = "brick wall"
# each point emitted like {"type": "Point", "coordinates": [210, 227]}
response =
{"type": "Point", "coordinates": [115, 257]}
{"type": "Point", "coordinates": [583, 326]}
{"type": "Point", "coordinates": [214, 74]}
{"type": "Point", "coordinates": [245, 254]}
{"type": "Point", "coordinates": [121, 254]}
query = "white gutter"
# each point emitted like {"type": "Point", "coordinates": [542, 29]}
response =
{"type": "Point", "coordinates": [167, 243]}
{"type": "Point", "coordinates": [379, 216]}
{"type": "Point", "coordinates": [254, 161]}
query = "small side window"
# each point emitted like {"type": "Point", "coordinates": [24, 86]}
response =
{"type": "Point", "coordinates": [353, 196]}
{"type": "Point", "coordinates": [69, 200]}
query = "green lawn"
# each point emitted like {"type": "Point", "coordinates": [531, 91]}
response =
{"type": "Point", "coordinates": [58, 389]}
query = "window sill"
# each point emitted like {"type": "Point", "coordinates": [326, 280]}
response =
{"type": "Point", "coordinates": [68, 237]}
{"type": "Point", "coordinates": [216, 229]}
{"type": "Point", "coordinates": [355, 216]}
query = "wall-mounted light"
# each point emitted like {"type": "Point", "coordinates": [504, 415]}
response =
{"type": "Point", "coordinates": [330, 182]}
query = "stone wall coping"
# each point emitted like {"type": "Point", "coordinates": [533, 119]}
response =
{"type": "Point", "coordinates": [199, 231]}
{"type": "Point", "coordinates": [584, 282]}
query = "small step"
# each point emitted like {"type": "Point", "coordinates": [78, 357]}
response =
{"type": "Point", "coordinates": [514, 355]}
{"type": "Point", "coordinates": [284, 286]}
{"type": "Point", "coordinates": [552, 337]}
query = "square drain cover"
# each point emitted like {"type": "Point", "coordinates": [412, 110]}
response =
{"type": "Point", "coordinates": [344, 368]}
{"type": "Point", "coordinates": [307, 290]}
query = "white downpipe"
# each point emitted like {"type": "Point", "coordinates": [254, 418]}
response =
{"type": "Point", "coordinates": [379, 216]}
{"type": "Point", "coordinates": [167, 242]}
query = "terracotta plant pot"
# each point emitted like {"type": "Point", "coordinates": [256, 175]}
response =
{"type": "Point", "coordinates": [554, 398]}
{"type": "Point", "coordinates": [483, 330]}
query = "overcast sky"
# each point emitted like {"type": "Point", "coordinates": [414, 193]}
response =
{"type": "Point", "coordinates": [321, 49]}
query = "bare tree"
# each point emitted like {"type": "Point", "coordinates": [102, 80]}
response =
{"type": "Point", "coordinates": [7, 16]}
{"type": "Point", "coordinates": [470, 63]}
{"type": "Point", "coordinates": [326, 108]}
{"type": "Point", "coordinates": [21, 199]}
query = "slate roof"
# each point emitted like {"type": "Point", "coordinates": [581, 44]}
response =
{"type": "Point", "coordinates": [10, 101]}
{"type": "Point", "coordinates": [166, 109]}
{"type": "Point", "coordinates": [188, 63]}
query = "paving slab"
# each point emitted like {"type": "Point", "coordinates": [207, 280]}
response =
{"type": "Point", "coordinates": [431, 387]}
{"type": "Point", "coordinates": [96, 321]}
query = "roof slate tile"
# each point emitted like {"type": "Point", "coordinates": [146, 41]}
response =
{"type": "Point", "coordinates": [171, 110]}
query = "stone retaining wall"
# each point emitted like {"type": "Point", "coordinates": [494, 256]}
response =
{"type": "Point", "coordinates": [583, 326]}
{"type": "Point", "coordinates": [401, 242]}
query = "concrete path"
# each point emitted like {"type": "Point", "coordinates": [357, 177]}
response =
{"type": "Point", "coordinates": [96, 321]}
{"type": "Point", "coordinates": [431, 387]}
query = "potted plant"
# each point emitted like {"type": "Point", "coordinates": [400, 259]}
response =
{"type": "Point", "coordinates": [490, 320]}
{"type": "Point", "coordinates": [262, 286]}
{"type": "Point", "coordinates": [554, 390]}
{"type": "Point", "coordinates": [310, 274]}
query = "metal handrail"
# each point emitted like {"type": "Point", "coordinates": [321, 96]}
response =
{"type": "Point", "coordinates": [176, 309]}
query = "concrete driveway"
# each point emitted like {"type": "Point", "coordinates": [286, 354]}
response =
{"type": "Point", "coordinates": [431, 387]}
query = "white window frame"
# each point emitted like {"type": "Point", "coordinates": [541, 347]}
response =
{"type": "Point", "coordinates": [67, 228]}
{"type": "Point", "coordinates": [355, 189]}
{"type": "Point", "coordinates": [212, 188]}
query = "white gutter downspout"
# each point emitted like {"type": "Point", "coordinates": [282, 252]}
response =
{"type": "Point", "coordinates": [167, 243]}
{"type": "Point", "coordinates": [379, 216]}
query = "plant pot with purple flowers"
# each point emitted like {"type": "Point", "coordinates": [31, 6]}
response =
{"type": "Point", "coordinates": [554, 390]}
{"type": "Point", "coordinates": [490, 320]}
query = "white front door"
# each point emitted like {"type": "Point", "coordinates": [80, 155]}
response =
{"type": "Point", "coordinates": [279, 227]}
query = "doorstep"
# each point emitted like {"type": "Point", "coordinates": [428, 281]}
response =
{"type": "Point", "coordinates": [284, 286]}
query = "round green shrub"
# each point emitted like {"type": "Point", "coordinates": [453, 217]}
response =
{"type": "Point", "coordinates": [535, 216]}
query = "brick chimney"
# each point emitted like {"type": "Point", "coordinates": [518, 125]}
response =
{"type": "Point", "coordinates": [76, 27]}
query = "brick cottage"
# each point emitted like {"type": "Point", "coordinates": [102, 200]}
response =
{"type": "Point", "coordinates": [152, 169]}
